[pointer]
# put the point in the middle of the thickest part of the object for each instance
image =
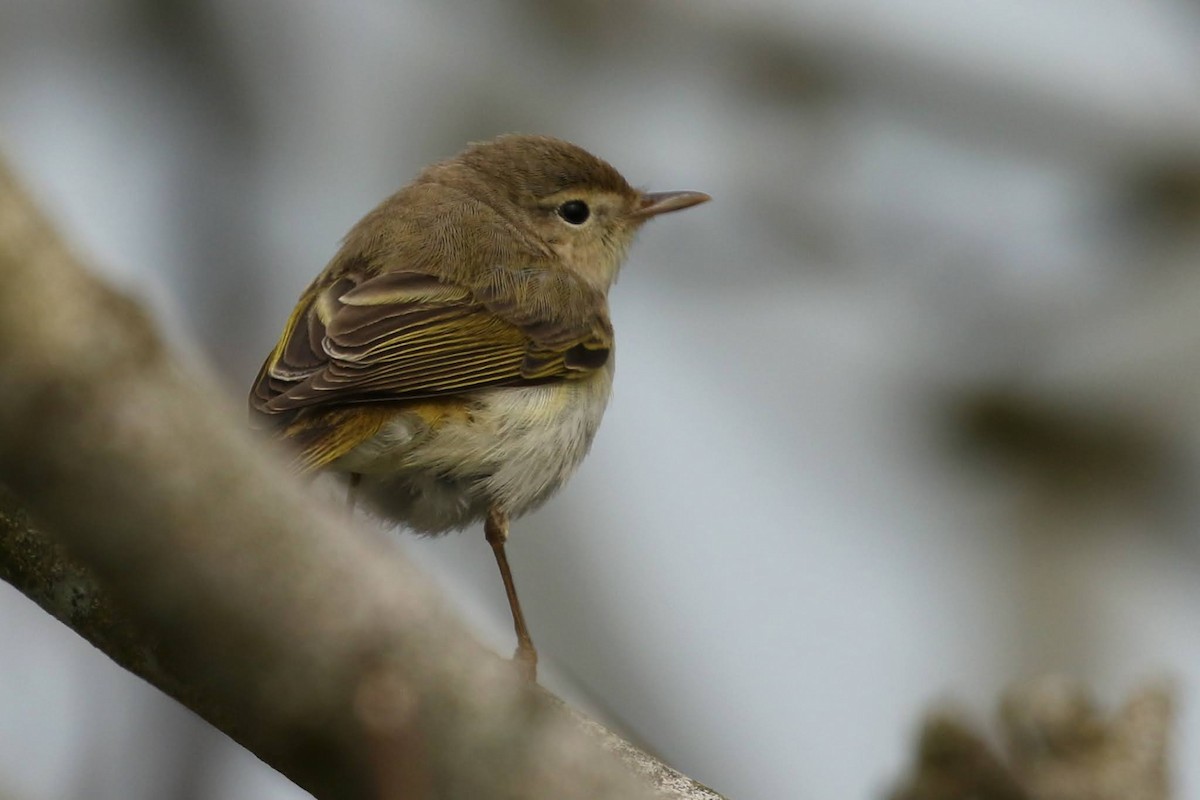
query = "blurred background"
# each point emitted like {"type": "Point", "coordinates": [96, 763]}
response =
{"type": "Point", "coordinates": [910, 411]}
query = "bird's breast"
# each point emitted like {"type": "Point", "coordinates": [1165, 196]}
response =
{"type": "Point", "coordinates": [442, 467]}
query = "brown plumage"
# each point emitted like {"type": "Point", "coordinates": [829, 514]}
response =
{"type": "Point", "coordinates": [457, 351]}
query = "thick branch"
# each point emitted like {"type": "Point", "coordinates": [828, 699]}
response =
{"type": "Point", "coordinates": [199, 565]}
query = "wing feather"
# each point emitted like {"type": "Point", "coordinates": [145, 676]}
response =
{"type": "Point", "coordinates": [409, 336]}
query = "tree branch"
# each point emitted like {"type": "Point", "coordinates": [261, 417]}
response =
{"type": "Point", "coordinates": [192, 559]}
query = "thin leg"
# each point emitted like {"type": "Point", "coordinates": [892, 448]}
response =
{"type": "Point", "coordinates": [352, 491]}
{"type": "Point", "coordinates": [495, 528]}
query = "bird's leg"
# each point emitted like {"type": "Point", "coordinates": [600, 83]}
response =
{"type": "Point", "coordinates": [352, 491]}
{"type": "Point", "coordinates": [495, 528]}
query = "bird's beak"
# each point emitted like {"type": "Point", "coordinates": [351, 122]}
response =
{"type": "Point", "coordinates": [655, 203]}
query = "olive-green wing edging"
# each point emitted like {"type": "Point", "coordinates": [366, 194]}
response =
{"type": "Point", "coordinates": [323, 437]}
{"type": "Point", "coordinates": [405, 335]}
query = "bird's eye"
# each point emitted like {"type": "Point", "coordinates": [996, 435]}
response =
{"type": "Point", "coordinates": [575, 212]}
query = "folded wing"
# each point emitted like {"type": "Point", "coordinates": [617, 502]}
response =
{"type": "Point", "coordinates": [403, 335]}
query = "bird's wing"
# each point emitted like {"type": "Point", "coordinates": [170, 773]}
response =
{"type": "Point", "coordinates": [401, 336]}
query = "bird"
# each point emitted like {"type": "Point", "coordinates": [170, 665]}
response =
{"type": "Point", "coordinates": [454, 358]}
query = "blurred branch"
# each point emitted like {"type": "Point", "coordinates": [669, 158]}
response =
{"type": "Point", "coordinates": [193, 560]}
{"type": "Point", "coordinates": [1059, 747]}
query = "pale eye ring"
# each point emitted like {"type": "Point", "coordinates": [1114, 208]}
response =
{"type": "Point", "coordinates": [575, 212]}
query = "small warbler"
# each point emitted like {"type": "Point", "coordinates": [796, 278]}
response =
{"type": "Point", "coordinates": [456, 355]}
